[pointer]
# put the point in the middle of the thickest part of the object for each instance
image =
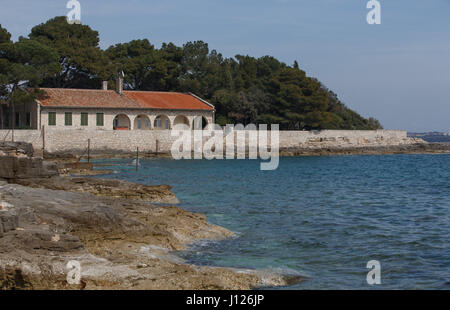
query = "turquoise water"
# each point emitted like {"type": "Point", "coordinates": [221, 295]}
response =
{"type": "Point", "coordinates": [320, 217]}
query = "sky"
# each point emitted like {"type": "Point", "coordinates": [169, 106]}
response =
{"type": "Point", "coordinates": [397, 72]}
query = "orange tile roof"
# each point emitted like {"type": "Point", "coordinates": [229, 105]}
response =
{"type": "Point", "coordinates": [64, 97]}
{"type": "Point", "coordinates": [87, 98]}
{"type": "Point", "coordinates": [167, 100]}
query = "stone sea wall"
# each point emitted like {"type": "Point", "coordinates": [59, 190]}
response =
{"type": "Point", "coordinates": [343, 138]}
{"type": "Point", "coordinates": [72, 141]}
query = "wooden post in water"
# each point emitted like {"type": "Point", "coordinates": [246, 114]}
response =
{"type": "Point", "coordinates": [43, 141]}
{"type": "Point", "coordinates": [137, 158]}
{"type": "Point", "coordinates": [13, 120]}
{"type": "Point", "coordinates": [89, 150]}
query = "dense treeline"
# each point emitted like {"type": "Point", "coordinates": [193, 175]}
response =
{"type": "Point", "coordinates": [244, 89]}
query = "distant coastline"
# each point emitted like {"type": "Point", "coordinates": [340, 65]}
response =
{"type": "Point", "coordinates": [415, 148]}
{"type": "Point", "coordinates": [432, 137]}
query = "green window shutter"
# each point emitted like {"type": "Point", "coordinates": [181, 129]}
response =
{"type": "Point", "coordinates": [28, 121]}
{"type": "Point", "coordinates": [52, 118]}
{"type": "Point", "coordinates": [84, 119]}
{"type": "Point", "coordinates": [17, 120]}
{"type": "Point", "coordinates": [100, 119]}
{"type": "Point", "coordinates": [68, 119]}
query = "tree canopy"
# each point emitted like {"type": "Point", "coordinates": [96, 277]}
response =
{"type": "Point", "coordinates": [23, 67]}
{"type": "Point", "coordinates": [244, 89]}
{"type": "Point", "coordinates": [83, 63]}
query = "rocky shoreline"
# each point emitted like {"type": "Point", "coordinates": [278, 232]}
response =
{"type": "Point", "coordinates": [415, 146]}
{"type": "Point", "coordinates": [111, 227]}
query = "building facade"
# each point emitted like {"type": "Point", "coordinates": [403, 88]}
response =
{"type": "Point", "coordinates": [131, 110]}
{"type": "Point", "coordinates": [105, 109]}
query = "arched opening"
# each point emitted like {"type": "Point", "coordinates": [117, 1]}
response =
{"type": "Point", "coordinates": [181, 120]}
{"type": "Point", "coordinates": [141, 122]}
{"type": "Point", "coordinates": [162, 122]}
{"type": "Point", "coordinates": [200, 122]}
{"type": "Point", "coordinates": [121, 122]}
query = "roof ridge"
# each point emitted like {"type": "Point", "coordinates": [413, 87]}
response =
{"type": "Point", "coordinates": [111, 90]}
{"type": "Point", "coordinates": [76, 89]}
{"type": "Point", "coordinates": [155, 91]}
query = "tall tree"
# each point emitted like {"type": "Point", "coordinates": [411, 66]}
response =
{"type": "Point", "coordinates": [23, 66]}
{"type": "Point", "coordinates": [137, 59]}
{"type": "Point", "coordinates": [5, 41]}
{"type": "Point", "coordinates": [194, 67]}
{"type": "Point", "coordinates": [145, 67]}
{"type": "Point", "coordinates": [83, 63]}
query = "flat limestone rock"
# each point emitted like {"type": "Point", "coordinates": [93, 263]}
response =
{"type": "Point", "coordinates": [105, 187]}
{"type": "Point", "coordinates": [119, 243]}
{"type": "Point", "coordinates": [407, 148]}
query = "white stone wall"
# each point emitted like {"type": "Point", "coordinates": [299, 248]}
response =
{"type": "Point", "coordinates": [110, 114]}
{"type": "Point", "coordinates": [342, 138]}
{"type": "Point", "coordinates": [76, 140]}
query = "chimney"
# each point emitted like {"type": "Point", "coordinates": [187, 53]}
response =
{"type": "Point", "coordinates": [105, 85]}
{"type": "Point", "coordinates": [119, 82]}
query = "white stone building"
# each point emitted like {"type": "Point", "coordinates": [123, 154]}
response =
{"type": "Point", "coordinates": [103, 109]}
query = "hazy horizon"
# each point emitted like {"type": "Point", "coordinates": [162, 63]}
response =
{"type": "Point", "coordinates": [397, 72]}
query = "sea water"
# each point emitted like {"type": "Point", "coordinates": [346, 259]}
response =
{"type": "Point", "coordinates": [320, 217]}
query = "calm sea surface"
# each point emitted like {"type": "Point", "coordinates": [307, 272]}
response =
{"type": "Point", "coordinates": [320, 217]}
